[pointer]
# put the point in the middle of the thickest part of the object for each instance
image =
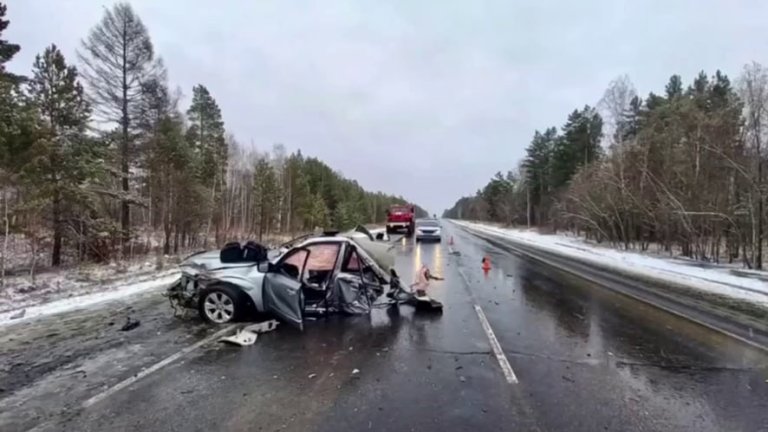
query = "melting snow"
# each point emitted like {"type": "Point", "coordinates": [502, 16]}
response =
{"type": "Point", "coordinates": [67, 304]}
{"type": "Point", "coordinates": [720, 279]}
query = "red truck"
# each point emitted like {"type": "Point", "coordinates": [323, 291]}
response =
{"type": "Point", "coordinates": [401, 217]}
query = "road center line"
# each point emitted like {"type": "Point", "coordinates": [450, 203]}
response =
{"type": "Point", "coordinates": [154, 368]}
{"type": "Point", "coordinates": [506, 368]}
{"type": "Point", "coordinates": [509, 374]}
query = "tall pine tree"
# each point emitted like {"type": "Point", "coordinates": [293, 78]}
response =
{"type": "Point", "coordinates": [118, 57]}
{"type": "Point", "coordinates": [206, 136]}
{"type": "Point", "coordinates": [64, 157]}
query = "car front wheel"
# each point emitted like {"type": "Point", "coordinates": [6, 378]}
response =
{"type": "Point", "coordinates": [221, 305]}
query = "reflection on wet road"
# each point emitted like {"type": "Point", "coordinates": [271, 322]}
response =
{"type": "Point", "coordinates": [586, 360]}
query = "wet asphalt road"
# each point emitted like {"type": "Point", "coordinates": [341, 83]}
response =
{"type": "Point", "coordinates": [586, 360]}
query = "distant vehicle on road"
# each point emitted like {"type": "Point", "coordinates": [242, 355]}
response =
{"type": "Point", "coordinates": [428, 230]}
{"type": "Point", "coordinates": [401, 217]}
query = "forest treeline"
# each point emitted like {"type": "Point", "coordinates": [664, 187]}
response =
{"type": "Point", "coordinates": [98, 160]}
{"type": "Point", "coordinates": [681, 170]}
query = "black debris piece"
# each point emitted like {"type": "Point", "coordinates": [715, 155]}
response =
{"type": "Point", "coordinates": [130, 324]}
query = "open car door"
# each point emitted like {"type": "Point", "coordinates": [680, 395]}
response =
{"type": "Point", "coordinates": [283, 295]}
{"type": "Point", "coordinates": [300, 278]}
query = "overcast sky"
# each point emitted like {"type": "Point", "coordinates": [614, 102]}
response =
{"type": "Point", "coordinates": [425, 99]}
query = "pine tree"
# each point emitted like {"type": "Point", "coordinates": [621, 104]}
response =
{"type": "Point", "coordinates": [537, 166]}
{"type": "Point", "coordinates": [317, 214]}
{"type": "Point", "coordinates": [7, 49]}
{"type": "Point", "coordinates": [166, 160]}
{"type": "Point", "coordinates": [206, 137]}
{"type": "Point", "coordinates": [10, 103]}
{"type": "Point", "coordinates": [65, 159]}
{"type": "Point", "coordinates": [118, 57]}
{"type": "Point", "coordinates": [579, 145]}
{"type": "Point", "coordinates": [206, 134]}
{"type": "Point", "coordinates": [295, 191]}
{"type": "Point", "coordinates": [674, 88]}
{"type": "Point", "coordinates": [17, 122]}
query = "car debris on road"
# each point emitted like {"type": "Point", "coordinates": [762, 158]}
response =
{"type": "Point", "coordinates": [249, 334]}
{"type": "Point", "coordinates": [130, 324]}
{"type": "Point", "coordinates": [241, 337]}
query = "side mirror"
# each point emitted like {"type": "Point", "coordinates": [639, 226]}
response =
{"type": "Point", "coordinates": [266, 267]}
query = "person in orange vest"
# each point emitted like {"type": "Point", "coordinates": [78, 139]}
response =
{"type": "Point", "coordinates": [486, 263]}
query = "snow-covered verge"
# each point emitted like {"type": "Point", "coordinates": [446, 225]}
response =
{"type": "Point", "coordinates": [59, 290]}
{"type": "Point", "coordinates": [751, 286]}
{"type": "Point", "coordinates": [21, 291]}
{"type": "Point", "coordinates": [77, 300]}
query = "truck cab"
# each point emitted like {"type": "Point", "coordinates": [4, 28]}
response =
{"type": "Point", "coordinates": [401, 218]}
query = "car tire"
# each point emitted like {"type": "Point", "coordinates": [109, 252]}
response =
{"type": "Point", "coordinates": [221, 304]}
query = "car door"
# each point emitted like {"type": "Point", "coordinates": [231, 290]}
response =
{"type": "Point", "coordinates": [301, 272]}
{"type": "Point", "coordinates": [283, 295]}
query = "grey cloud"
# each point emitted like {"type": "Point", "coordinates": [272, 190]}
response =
{"type": "Point", "coordinates": [423, 99]}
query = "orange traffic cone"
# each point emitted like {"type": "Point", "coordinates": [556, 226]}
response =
{"type": "Point", "coordinates": [486, 263]}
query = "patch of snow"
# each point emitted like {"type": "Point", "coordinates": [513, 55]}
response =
{"type": "Point", "coordinates": [723, 280]}
{"type": "Point", "coordinates": [72, 303]}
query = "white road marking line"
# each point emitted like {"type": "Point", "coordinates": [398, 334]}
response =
{"type": "Point", "coordinates": [509, 374]}
{"type": "Point", "coordinates": [506, 368]}
{"type": "Point", "coordinates": [154, 368]}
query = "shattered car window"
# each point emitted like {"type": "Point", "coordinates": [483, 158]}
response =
{"type": "Point", "coordinates": [353, 263]}
{"type": "Point", "coordinates": [293, 265]}
{"type": "Point", "coordinates": [319, 265]}
{"type": "Point", "coordinates": [322, 256]}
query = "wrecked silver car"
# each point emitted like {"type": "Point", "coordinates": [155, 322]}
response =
{"type": "Point", "coordinates": [313, 275]}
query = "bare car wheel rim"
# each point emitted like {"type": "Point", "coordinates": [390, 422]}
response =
{"type": "Point", "coordinates": [219, 307]}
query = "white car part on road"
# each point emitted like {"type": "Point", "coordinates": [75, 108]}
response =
{"type": "Point", "coordinates": [248, 335]}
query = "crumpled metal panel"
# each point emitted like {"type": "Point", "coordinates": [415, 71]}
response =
{"type": "Point", "coordinates": [350, 295]}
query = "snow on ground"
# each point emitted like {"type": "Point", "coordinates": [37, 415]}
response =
{"type": "Point", "coordinates": [21, 290]}
{"type": "Point", "coordinates": [125, 289]}
{"type": "Point", "coordinates": [746, 285]}
{"type": "Point", "coordinates": [59, 290]}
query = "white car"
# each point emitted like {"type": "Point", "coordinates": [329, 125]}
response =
{"type": "Point", "coordinates": [427, 230]}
